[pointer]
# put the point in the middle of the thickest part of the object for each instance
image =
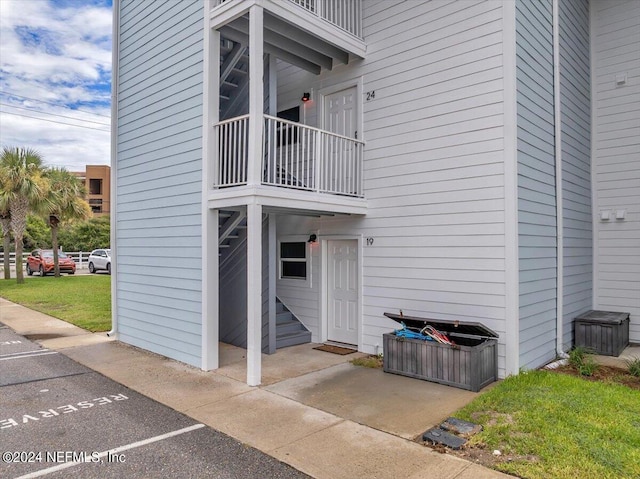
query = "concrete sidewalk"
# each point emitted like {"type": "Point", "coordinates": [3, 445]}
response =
{"type": "Point", "coordinates": [314, 411]}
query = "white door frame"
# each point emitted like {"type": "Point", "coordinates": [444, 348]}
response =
{"type": "Point", "coordinates": [324, 281]}
{"type": "Point", "coordinates": [358, 83]}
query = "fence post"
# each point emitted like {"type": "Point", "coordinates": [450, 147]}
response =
{"type": "Point", "coordinates": [318, 153]}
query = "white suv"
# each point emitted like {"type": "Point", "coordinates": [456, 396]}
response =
{"type": "Point", "coordinates": [100, 259]}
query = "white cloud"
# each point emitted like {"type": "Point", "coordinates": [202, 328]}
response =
{"type": "Point", "coordinates": [55, 69]}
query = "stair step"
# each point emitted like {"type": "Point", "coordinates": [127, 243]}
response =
{"type": "Point", "coordinates": [283, 317]}
{"type": "Point", "coordinates": [289, 327]}
{"type": "Point", "coordinates": [292, 339]}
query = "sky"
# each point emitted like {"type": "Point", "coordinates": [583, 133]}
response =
{"type": "Point", "coordinates": [55, 79]}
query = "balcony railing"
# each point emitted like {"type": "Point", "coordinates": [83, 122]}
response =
{"type": "Point", "coordinates": [293, 156]}
{"type": "Point", "coordinates": [344, 14]}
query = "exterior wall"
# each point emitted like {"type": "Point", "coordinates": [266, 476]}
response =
{"type": "Point", "coordinates": [158, 177]}
{"type": "Point", "coordinates": [102, 173]}
{"type": "Point", "coordinates": [616, 156]}
{"type": "Point", "coordinates": [575, 107]}
{"type": "Point", "coordinates": [536, 182]}
{"type": "Point", "coordinates": [434, 173]}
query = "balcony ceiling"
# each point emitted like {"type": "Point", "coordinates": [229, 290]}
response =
{"type": "Point", "coordinates": [287, 42]}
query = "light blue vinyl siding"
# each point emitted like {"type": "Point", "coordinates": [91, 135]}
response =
{"type": "Point", "coordinates": [575, 107]}
{"type": "Point", "coordinates": [159, 163]}
{"type": "Point", "coordinates": [536, 182]}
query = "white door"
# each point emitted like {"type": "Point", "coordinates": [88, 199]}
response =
{"type": "Point", "coordinates": [342, 291]}
{"type": "Point", "coordinates": [339, 168]}
{"type": "Point", "coordinates": [340, 112]}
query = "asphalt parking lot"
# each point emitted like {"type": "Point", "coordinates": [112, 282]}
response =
{"type": "Point", "coordinates": [60, 419]}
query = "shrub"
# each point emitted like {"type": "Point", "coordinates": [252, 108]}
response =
{"type": "Point", "coordinates": [634, 366]}
{"type": "Point", "coordinates": [582, 360]}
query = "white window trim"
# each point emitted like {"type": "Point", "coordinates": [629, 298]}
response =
{"type": "Point", "coordinates": [295, 282]}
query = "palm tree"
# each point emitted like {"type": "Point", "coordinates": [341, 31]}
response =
{"type": "Point", "coordinates": [5, 227]}
{"type": "Point", "coordinates": [23, 188]}
{"type": "Point", "coordinates": [65, 201]}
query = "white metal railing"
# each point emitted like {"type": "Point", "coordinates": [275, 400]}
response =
{"type": "Point", "coordinates": [344, 14]}
{"type": "Point", "coordinates": [81, 258]}
{"type": "Point", "coordinates": [293, 156]}
{"type": "Point", "coordinates": [233, 147]}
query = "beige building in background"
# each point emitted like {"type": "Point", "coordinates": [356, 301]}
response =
{"type": "Point", "coordinates": [97, 182]}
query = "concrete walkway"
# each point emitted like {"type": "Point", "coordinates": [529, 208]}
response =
{"type": "Point", "coordinates": [314, 411]}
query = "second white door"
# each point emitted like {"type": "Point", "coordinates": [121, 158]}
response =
{"type": "Point", "coordinates": [342, 291]}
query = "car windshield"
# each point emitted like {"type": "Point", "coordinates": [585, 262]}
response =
{"type": "Point", "coordinates": [49, 254]}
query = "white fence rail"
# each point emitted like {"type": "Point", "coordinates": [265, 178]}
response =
{"type": "Point", "coordinates": [344, 14]}
{"type": "Point", "coordinates": [300, 156]}
{"type": "Point", "coordinates": [233, 148]}
{"type": "Point", "coordinates": [293, 156]}
{"type": "Point", "coordinates": [80, 258]}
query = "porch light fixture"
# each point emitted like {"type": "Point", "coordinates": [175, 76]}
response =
{"type": "Point", "coordinates": [312, 239]}
{"type": "Point", "coordinates": [306, 96]}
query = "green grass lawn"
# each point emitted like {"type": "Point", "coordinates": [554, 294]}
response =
{"type": "Point", "coordinates": [83, 300]}
{"type": "Point", "coordinates": [549, 424]}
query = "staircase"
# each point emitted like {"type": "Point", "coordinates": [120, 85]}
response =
{"type": "Point", "coordinates": [289, 331]}
{"type": "Point", "coordinates": [232, 241]}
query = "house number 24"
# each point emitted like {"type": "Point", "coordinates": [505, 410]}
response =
{"type": "Point", "coordinates": [370, 95]}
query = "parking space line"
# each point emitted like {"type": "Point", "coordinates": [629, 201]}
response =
{"type": "Point", "coordinates": [144, 442]}
{"type": "Point", "coordinates": [26, 354]}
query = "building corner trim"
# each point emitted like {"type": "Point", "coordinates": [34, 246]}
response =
{"type": "Point", "coordinates": [114, 166]}
{"type": "Point", "coordinates": [512, 289]}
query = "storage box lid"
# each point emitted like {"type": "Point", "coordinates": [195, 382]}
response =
{"type": "Point", "coordinates": [460, 327]}
{"type": "Point", "coordinates": [609, 317]}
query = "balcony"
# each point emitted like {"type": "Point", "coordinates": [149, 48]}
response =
{"type": "Point", "coordinates": [344, 14]}
{"type": "Point", "coordinates": [294, 156]}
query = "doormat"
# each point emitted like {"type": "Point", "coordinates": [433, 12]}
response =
{"type": "Point", "coordinates": [330, 348]}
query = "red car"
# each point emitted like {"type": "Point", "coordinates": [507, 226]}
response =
{"type": "Point", "coordinates": [41, 260]}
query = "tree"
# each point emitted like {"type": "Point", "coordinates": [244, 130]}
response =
{"type": "Point", "coordinates": [23, 188]}
{"type": "Point", "coordinates": [5, 227]}
{"type": "Point", "coordinates": [37, 234]}
{"type": "Point", "coordinates": [86, 235]}
{"type": "Point", "coordinates": [65, 201]}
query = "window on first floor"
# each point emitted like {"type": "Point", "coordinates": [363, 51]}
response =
{"type": "Point", "coordinates": [293, 260]}
{"type": "Point", "coordinates": [96, 205]}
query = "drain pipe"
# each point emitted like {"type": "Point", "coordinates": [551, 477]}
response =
{"type": "Point", "coordinates": [558, 164]}
{"type": "Point", "coordinates": [114, 163]}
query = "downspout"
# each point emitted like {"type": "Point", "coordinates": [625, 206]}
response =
{"type": "Point", "coordinates": [558, 164]}
{"type": "Point", "coordinates": [114, 164]}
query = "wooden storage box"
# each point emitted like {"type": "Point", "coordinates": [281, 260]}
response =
{"type": "Point", "coordinates": [603, 332]}
{"type": "Point", "coordinates": [472, 363]}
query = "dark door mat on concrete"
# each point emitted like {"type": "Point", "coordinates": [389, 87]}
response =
{"type": "Point", "coordinates": [330, 348]}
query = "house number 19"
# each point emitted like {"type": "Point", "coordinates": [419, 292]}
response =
{"type": "Point", "coordinates": [369, 241]}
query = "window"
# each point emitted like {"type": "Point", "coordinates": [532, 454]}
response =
{"type": "Point", "coordinates": [293, 260]}
{"type": "Point", "coordinates": [96, 205]}
{"type": "Point", "coordinates": [288, 134]}
{"type": "Point", "coordinates": [95, 186]}
{"type": "Point", "coordinates": [292, 114]}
